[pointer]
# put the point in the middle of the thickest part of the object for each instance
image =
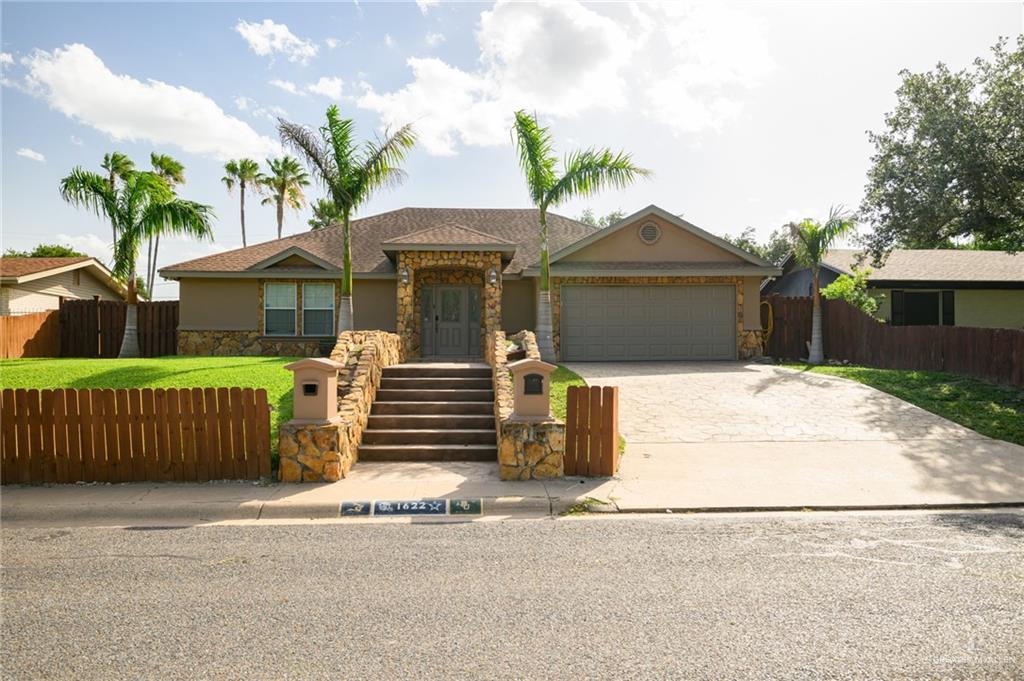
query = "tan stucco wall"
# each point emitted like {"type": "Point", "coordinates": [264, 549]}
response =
{"type": "Point", "coordinates": [45, 293]}
{"type": "Point", "coordinates": [675, 245]}
{"type": "Point", "coordinates": [752, 303]}
{"type": "Point", "coordinates": [219, 304]}
{"type": "Point", "coordinates": [518, 305]}
{"type": "Point", "coordinates": [292, 261]}
{"type": "Point", "coordinates": [374, 304]}
{"type": "Point", "coordinates": [985, 308]}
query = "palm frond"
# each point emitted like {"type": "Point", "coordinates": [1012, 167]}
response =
{"type": "Point", "coordinates": [589, 171]}
{"type": "Point", "coordinates": [337, 133]}
{"type": "Point", "coordinates": [380, 160]}
{"type": "Point", "coordinates": [84, 188]}
{"type": "Point", "coordinates": [536, 155]}
{"type": "Point", "coordinates": [307, 144]}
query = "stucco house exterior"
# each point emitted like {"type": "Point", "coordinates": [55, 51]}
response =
{"type": "Point", "coordinates": [927, 287]}
{"type": "Point", "coordinates": [651, 286]}
{"type": "Point", "coordinates": [30, 285]}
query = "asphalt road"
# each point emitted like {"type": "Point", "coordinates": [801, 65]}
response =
{"type": "Point", "coordinates": [805, 596]}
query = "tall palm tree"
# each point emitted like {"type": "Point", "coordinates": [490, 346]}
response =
{"type": "Point", "coordinates": [350, 173]}
{"type": "Point", "coordinates": [811, 242]}
{"type": "Point", "coordinates": [325, 214]}
{"type": "Point", "coordinates": [118, 166]}
{"type": "Point", "coordinates": [173, 173]}
{"type": "Point", "coordinates": [244, 172]}
{"type": "Point", "coordinates": [285, 183]}
{"type": "Point", "coordinates": [584, 173]}
{"type": "Point", "coordinates": [142, 206]}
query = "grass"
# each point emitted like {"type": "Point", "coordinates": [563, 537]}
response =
{"type": "Point", "coordinates": [992, 410]}
{"type": "Point", "coordinates": [160, 372]}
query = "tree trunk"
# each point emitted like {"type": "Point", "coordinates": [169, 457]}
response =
{"type": "Point", "coordinates": [149, 263]}
{"type": "Point", "coordinates": [280, 217]}
{"type": "Point", "coordinates": [816, 354]}
{"type": "Point", "coordinates": [241, 193]}
{"type": "Point", "coordinates": [346, 320]}
{"type": "Point", "coordinates": [130, 342]}
{"type": "Point", "coordinates": [152, 275]}
{"type": "Point", "coordinates": [545, 340]}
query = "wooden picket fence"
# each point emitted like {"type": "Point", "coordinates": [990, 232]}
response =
{"type": "Point", "coordinates": [95, 328]}
{"type": "Point", "coordinates": [592, 431]}
{"type": "Point", "coordinates": [104, 435]}
{"type": "Point", "coordinates": [30, 335]}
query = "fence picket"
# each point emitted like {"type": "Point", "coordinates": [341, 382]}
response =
{"type": "Point", "coordinates": [571, 426]}
{"type": "Point", "coordinates": [48, 454]}
{"type": "Point", "coordinates": [8, 438]}
{"type": "Point", "coordinates": [591, 431]}
{"type": "Point", "coordinates": [263, 433]}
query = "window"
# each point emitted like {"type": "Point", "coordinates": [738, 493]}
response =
{"type": "Point", "coordinates": [279, 309]}
{"type": "Point", "coordinates": [318, 309]}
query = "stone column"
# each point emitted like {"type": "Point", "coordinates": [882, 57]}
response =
{"type": "Point", "coordinates": [491, 302]}
{"type": "Point", "coordinates": [406, 306]}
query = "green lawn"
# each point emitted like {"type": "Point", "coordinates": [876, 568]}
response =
{"type": "Point", "coordinates": [160, 372]}
{"type": "Point", "coordinates": [561, 379]}
{"type": "Point", "coordinates": [992, 410]}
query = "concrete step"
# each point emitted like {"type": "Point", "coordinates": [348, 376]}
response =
{"type": "Point", "coordinates": [435, 395]}
{"type": "Point", "coordinates": [429, 436]}
{"type": "Point", "coordinates": [450, 452]}
{"type": "Point", "coordinates": [431, 408]}
{"type": "Point", "coordinates": [430, 382]}
{"type": "Point", "coordinates": [429, 421]}
{"type": "Point", "coordinates": [438, 369]}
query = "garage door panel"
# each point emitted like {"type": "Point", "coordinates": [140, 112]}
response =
{"type": "Point", "coordinates": [648, 322]}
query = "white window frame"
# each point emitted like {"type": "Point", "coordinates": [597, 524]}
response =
{"type": "Point", "coordinates": [304, 308]}
{"type": "Point", "coordinates": [294, 308]}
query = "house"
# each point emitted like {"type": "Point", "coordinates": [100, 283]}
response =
{"type": "Point", "coordinates": [922, 287]}
{"type": "Point", "coordinates": [37, 284]}
{"type": "Point", "coordinates": [652, 286]}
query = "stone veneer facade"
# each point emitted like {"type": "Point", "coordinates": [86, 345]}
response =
{"type": "Point", "coordinates": [526, 451]}
{"type": "Point", "coordinates": [748, 342]}
{"type": "Point", "coordinates": [445, 267]}
{"type": "Point", "coordinates": [325, 453]}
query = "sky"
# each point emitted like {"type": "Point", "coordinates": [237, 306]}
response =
{"type": "Point", "coordinates": [749, 114]}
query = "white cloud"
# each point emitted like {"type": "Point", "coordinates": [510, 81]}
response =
{"type": "Point", "coordinates": [77, 141]}
{"type": "Point", "coordinates": [388, 40]}
{"type": "Point", "coordinates": [6, 59]}
{"type": "Point", "coordinates": [31, 154]}
{"type": "Point", "coordinates": [268, 38]}
{"type": "Point", "coordinates": [90, 244]}
{"type": "Point", "coordinates": [76, 82]}
{"type": "Point", "coordinates": [434, 39]}
{"type": "Point", "coordinates": [681, 66]}
{"type": "Point", "coordinates": [243, 103]}
{"type": "Point", "coordinates": [271, 113]}
{"type": "Point", "coordinates": [331, 43]}
{"type": "Point", "coordinates": [286, 85]}
{"type": "Point", "coordinates": [425, 5]}
{"type": "Point", "coordinates": [328, 87]}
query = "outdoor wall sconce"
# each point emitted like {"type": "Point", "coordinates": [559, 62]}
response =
{"type": "Point", "coordinates": [492, 276]}
{"type": "Point", "coordinates": [404, 274]}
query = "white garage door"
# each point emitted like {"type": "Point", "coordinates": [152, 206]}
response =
{"type": "Point", "coordinates": [605, 323]}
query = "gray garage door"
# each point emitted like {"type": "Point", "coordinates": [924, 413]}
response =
{"type": "Point", "coordinates": [604, 323]}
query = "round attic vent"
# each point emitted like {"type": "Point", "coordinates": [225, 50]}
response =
{"type": "Point", "coordinates": [649, 233]}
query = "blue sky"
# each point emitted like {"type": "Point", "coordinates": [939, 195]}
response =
{"type": "Point", "coordinates": [748, 114]}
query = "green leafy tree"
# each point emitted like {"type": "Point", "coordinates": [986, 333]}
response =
{"type": "Point", "coordinates": [583, 173]}
{"type": "Point", "coordinates": [173, 173]}
{"type": "Point", "coordinates": [140, 207]}
{"type": "Point", "coordinates": [325, 214]}
{"type": "Point", "coordinates": [853, 290]}
{"type": "Point", "coordinates": [774, 250]}
{"type": "Point", "coordinates": [45, 251]}
{"type": "Point", "coordinates": [117, 166]}
{"type": "Point", "coordinates": [811, 242]}
{"type": "Point", "coordinates": [285, 183]}
{"type": "Point", "coordinates": [588, 217]}
{"type": "Point", "coordinates": [950, 164]}
{"type": "Point", "coordinates": [351, 173]}
{"type": "Point", "coordinates": [245, 173]}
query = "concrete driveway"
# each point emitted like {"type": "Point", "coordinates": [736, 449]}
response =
{"type": "Point", "coordinates": [737, 435]}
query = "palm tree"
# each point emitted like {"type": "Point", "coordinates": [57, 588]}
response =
{"type": "Point", "coordinates": [350, 173]}
{"type": "Point", "coordinates": [142, 206]}
{"type": "Point", "coordinates": [118, 166]}
{"type": "Point", "coordinates": [285, 183]}
{"type": "Point", "coordinates": [811, 242]}
{"type": "Point", "coordinates": [173, 173]}
{"type": "Point", "coordinates": [584, 173]}
{"type": "Point", "coordinates": [325, 214]}
{"type": "Point", "coordinates": [244, 172]}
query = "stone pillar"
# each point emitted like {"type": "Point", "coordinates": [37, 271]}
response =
{"type": "Point", "coordinates": [491, 299]}
{"type": "Point", "coordinates": [406, 306]}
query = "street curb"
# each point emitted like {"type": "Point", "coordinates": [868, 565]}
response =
{"type": "Point", "coordinates": [824, 508]}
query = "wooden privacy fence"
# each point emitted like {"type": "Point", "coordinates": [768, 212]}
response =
{"type": "Point", "coordinates": [30, 335]}
{"type": "Point", "coordinates": [95, 328]}
{"type": "Point", "coordinates": [104, 435]}
{"type": "Point", "coordinates": [995, 355]}
{"type": "Point", "coordinates": [592, 431]}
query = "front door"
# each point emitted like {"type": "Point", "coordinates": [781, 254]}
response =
{"type": "Point", "coordinates": [451, 321]}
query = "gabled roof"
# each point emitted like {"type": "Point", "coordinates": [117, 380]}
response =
{"type": "Point", "coordinates": [20, 270]}
{"type": "Point", "coordinates": [314, 261]}
{"type": "Point", "coordinates": [933, 265]}
{"type": "Point", "coordinates": [449, 235]}
{"type": "Point", "coordinates": [557, 255]}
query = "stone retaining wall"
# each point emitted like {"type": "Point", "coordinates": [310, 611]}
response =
{"type": "Point", "coordinates": [326, 453]}
{"type": "Point", "coordinates": [235, 343]}
{"type": "Point", "coordinates": [526, 451]}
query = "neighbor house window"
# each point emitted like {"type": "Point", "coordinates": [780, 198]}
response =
{"type": "Point", "coordinates": [318, 309]}
{"type": "Point", "coordinates": [279, 309]}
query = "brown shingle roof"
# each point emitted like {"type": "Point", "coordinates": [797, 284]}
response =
{"type": "Point", "coordinates": [19, 267]}
{"type": "Point", "coordinates": [449, 233]}
{"type": "Point", "coordinates": [935, 265]}
{"type": "Point", "coordinates": [514, 225]}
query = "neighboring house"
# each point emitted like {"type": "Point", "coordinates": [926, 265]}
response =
{"type": "Point", "coordinates": [37, 284]}
{"type": "Point", "coordinates": [922, 287]}
{"type": "Point", "coordinates": [651, 286]}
